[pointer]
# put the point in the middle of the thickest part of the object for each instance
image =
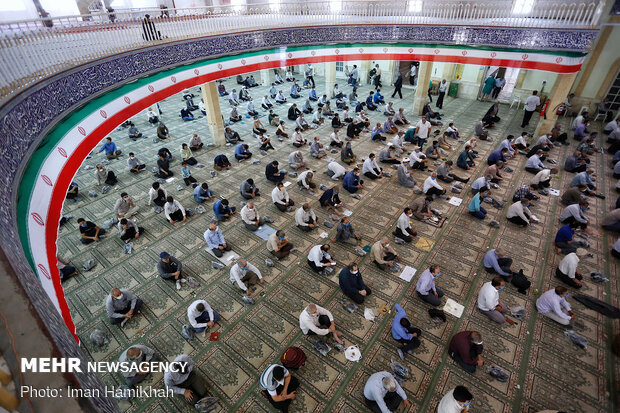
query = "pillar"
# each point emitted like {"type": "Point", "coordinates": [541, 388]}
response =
{"type": "Point", "coordinates": [363, 70]}
{"type": "Point", "coordinates": [448, 71]}
{"type": "Point", "coordinates": [267, 76]}
{"type": "Point", "coordinates": [421, 90]}
{"type": "Point", "coordinates": [330, 77]}
{"type": "Point", "coordinates": [561, 89]}
{"type": "Point", "coordinates": [214, 113]}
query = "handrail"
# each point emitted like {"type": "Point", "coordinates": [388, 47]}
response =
{"type": "Point", "coordinates": [31, 50]}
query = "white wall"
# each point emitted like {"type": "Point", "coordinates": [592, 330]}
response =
{"type": "Point", "coordinates": [605, 60]}
{"type": "Point", "coordinates": [534, 78]}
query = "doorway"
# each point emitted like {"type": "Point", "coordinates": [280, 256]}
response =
{"type": "Point", "coordinates": [509, 74]}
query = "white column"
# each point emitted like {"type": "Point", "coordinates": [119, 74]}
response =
{"type": "Point", "coordinates": [214, 113]}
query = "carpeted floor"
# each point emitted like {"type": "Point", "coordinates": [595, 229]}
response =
{"type": "Point", "coordinates": [546, 370]}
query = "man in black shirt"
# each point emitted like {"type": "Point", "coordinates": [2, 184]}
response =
{"type": "Point", "coordinates": [89, 231]}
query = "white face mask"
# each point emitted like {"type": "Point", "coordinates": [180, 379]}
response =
{"type": "Point", "coordinates": [120, 297]}
{"type": "Point", "coordinates": [387, 245]}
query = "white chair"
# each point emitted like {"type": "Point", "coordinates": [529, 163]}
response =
{"type": "Point", "coordinates": [517, 100]}
{"type": "Point", "coordinates": [583, 109]}
{"type": "Point", "coordinates": [602, 115]}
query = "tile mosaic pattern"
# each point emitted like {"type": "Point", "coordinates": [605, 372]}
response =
{"type": "Point", "coordinates": [545, 370]}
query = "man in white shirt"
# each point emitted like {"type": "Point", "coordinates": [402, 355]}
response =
{"type": "Point", "coordinates": [422, 131]}
{"type": "Point", "coordinates": [371, 169]}
{"type": "Point", "coordinates": [298, 138]}
{"type": "Point", "coordinates": [305, 218]}
{"type": "Point", "coordinates": [530, 106]}
{"type": "Point", "coordinates": [543, 178]}
{"type": "Point", "coordinates": [281, 199]}
{"type": "Point", "coordinates": [201, 316]}
{"type": "Point", "coordinates": [456, 400]}
{"type": "Point", "coordinates": [552, 304]}
{"type": "Point", "coordinates": [317, 117]}
{"type": "Point", "coordinates": [519, 213]}
{"type": "Point", "coordinates": [174, 211]}
{"type": "Point", "coordinates": [245, 275]}
{"type": "Point", "coordinates": [335, 170]}
{"type": "Point", "coordinates": [431, 187]}
{"type": "Point", "coordinates": [279, 385]}
{"type": "Point", "coordinates": [296, 160]}
{"type": "Point", "coordinates": [404, 228]}
{"type": "Point", "coordinates": [278, 245]}
{"type": "Point", "coordinates": [443, 87]}
{"type": "Point", "coordinates": [250, 217]}
{"type": "Point", "coordinates": [319, 258]}
{"type": "Point", "coordinates": [567, 270]}
{"type": "Point", "coordinates": [383, 394]}
{"type": "Point", "coordinates": [489, 303]}
{"type": "Point", "coordinates": [316, 320]}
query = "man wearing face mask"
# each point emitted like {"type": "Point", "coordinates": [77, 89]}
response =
{"type": "Point", "coordinates": [170, 269]}
{"type": "Point", "coordinates": [128, 230]}
{"type": "Point", "coordinates": [316, 320]}
{"type": "Point", "coordinates": [489, 303]}
{"type": "Point", "coordinates": [121, 305]}
{"type": "Point", "coordinates": [383, 394]}
{"type": "Point", "coordinates": [574, 214]}
{"type": "Point", "coordinates": [305, 218]}
{"type": "Point", "coordinates": [352, 284]}
{"type": "Point", "coordinates": [426, 288]}
{"type": "Point", "coordinates": [331, 201]}
{"type": "Point", "coordinates": [201, 316]}
{"type": "Point", "coordinates": [345, 232]}
{"type": "Point", "coordinates": [250, 217]}
{"type": "Point", "coordinates": [279, 385]}
{"type": "Point", "coordinates": [405, 333]}
{"type": "Point", "coordinates": [421, 207]}
{"type": "Point", "coordinates": [184, 380]}
{"type": "Point", "coordinates": [456, 400]}
{"type": "Point", "coordinates": [278, 245]}
{"type": "Point", "coordinates": [404, 228]}
{"type": "Point", "coordinates": [134, 164]}
{"type": "Point", "coordinates": [174, 211]}
{"type": "Point", "coordinates": [351, 181]}
{"type": "Point", "coordinates": [89, 232]}
{"type": "Point", "coordinates": [567, 270]}
{"type": "Point", "coordinates": [552, 304]}
{"type": "Point", "coordinates": [383, 255]}
{"type": "Point", "coordinates": [125, 207]}
{"type": "Point", "coordinates": [319, 258]}
{"type": "Point", "coordinates": [466, 350]}
{"type": "Point", "coordinates": [404, 175]}
{"type": "Point", "coordinates": [431, 187]}
{"type": "Point", "coordinates": [245, 275]}
{"type": "Point", "coordinates": [135, 355]}
{"type": "Point", "coordinates": [422, 130]}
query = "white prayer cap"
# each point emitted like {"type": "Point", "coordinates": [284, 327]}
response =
{"type": "Point", "coordinates": [405, 160]}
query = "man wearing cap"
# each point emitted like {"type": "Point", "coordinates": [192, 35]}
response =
{"type": "Point", "coordinates": [170, 269]}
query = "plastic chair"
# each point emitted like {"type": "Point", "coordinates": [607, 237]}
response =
{"type": "Point", "coordinates": [602, 115]}
{"type": "Point", "coordinates": [583, 109]}
{"type": "Point", "coordinates": [516, 100]}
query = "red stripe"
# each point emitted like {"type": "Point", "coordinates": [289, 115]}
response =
{"type": "Point", "coordinates": [92, 139]}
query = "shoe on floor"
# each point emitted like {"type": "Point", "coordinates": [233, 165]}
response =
{"type": "Point", "coordinates": [178, 285]}
{"type": "Point", "coordinates": [400, 354]}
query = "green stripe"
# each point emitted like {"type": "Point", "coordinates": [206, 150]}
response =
{"type": "Point", "coordinates": [26, 185]}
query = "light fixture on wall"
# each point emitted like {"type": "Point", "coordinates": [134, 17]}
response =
{"type": "Point", "coordinates": [523, 6]}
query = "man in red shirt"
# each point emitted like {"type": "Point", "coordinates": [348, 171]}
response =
{"type": "Point", "coordinates": [466, 349]}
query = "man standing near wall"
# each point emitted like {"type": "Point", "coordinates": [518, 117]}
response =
{"type": "Point", "coordinates": [530, 107]}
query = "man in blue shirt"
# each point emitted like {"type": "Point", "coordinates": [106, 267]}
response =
{"type": "Point", "coordinates": [378, 98]}
{"type": "Point", "coordinates": [370, 102]}
{"type": "Point", "coordinates": [498, 155]}
{"type": "Point", "coordinates": [564, 243]}
{"type": "Point", "coordinates": [475, 209]}
{"type": "Point", "coordinates": [242, 152]}
{"type": "Point", "coordinates": [426, 288]}
{"type": "Point", "coordinates": [466, 159]}
{"type": "Point", "coordinates": [202, 193]}
{"type": "Point", "coordinates": [496, 263]}
{"type": "Point", "coordinates": [404, 333]}
{"type": "Point", "coordinates": [312, 95]}
{"type": "Point", "coordinates": [273, 173]}
{"type": "Point", "coordinates": [352, 182]}
{"type": "Point", "coordinates": [111, 151]}
{"type": "Point", "coordinates": [222, 210]}
{"type": "Point", "coordinates": [214, 238]}
{"type": "Point", "coordinates": [352, 284]}
{"type": "Point", "coordinates": [295, 90]}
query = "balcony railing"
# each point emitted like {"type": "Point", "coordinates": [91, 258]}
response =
{"type": "Point", "coordinates": [32, 50]}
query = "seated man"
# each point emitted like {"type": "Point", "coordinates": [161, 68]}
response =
{"type": "Point", "coordinates": [304, 181]}
{"type": "Point", "coordinates": [134, 164]}
{"type": "Point", "coordinates": [162, 131]}
{"type": "Point", "coordinates": [611, 220]}
{"type": "Point", "coordinates": [543, 178]}
{"type": "Point", "coordinates": [234, 115]}
{"type": "Point", "coordinates": [298, 138]}
{"type": "Point", "coordinates": [584, 178]}
{"type": "Point", "coordinates": [316, 320]}
{"type": "Point", "coordinates": [455, 401]}
{"type": "Point", "coordinates": [89, 232]}
{"type": "Point", "coordinates": [129, 230]}
{"type": "Point", "coordinates": [404, 174]}
{"type": "Point", "coordinates": [480, 184]}
{"type": "Point", "coordinates": [574, 213]}
{"type": "Point", "coordinates": [122, 305]}
{"type": "Point", "coordinates": [242, 152]}
{"type": "Point", "coordinates": [216, 241]}
{"type": "Point", "coordinates": [73, 191]}
{"type": "Point", "coordinates": [352, 182]}
{"type": "Point", "coordinates": [389, 126]}
{"type": "Point", "coordinates": [280, 98]}
{"type": "Point", "coordinates": [221, 162]}
{"type": "Point", "coordinates": [519, 213]}
{"type": "Point", "coordinates": [575, 163]}
{"type": "Point", "coordinates": [352, 284]}
{"type": "Point", "coordinates": [274, 119]}
{"type": "Point", "coordinates": [466, 158]}
{"type": "Point", "coordinates": [134, 356]}
{"type": "Point", "coordinates": [279, 386]}
{"type": "Point", "coordinates": [248, 190]}
{"type": "Point", "coordinates": [157, 195]}
{"type": "Point", "coordinates": [432, 152]}
{"type": "Point", "coordinates": [294, 92]}
{"type": "Point", "coordinates": [521, 143]}
{"type": "Point", "coordinates": [431, 187]}
{"type": "Point", "coordinates": [346, 154]}
{"type": "Point", "coordinates": [564, 243]}
{"type": "Point", "coordinates": [305, 218]}
{"type": "Point", "coordinates": [489, 303]}
{"type": "Point", "coordinates": [376, 132]}
{"type": "Point", "coordinates": [444, 173]}
{"type": "Point", "coordinates": [567, 270]}
{"type": "Point", "coordinates": [421, 207]}
{"type": "Point", "coordinates": [307, 107]}
{"type": "Point", "coordinates": [250, 217]}
{"type": "Point", "coordinates": [389, 109]}
{"type": "Point", "coordinates": [170, 269]}
{"type": "Point", "coordinates": [335, 171]}
{"type": "Point", "coordinates": [281, 130]}
{"type": "Point", "coordinates": [302, 123]}
{"type": "Point", "coordinates": [552, 304]}
{"type": "Point", "coordinates": [186, 114]}
{"type": "Point", "coordinates": [524, 192]}
{"type": "Point", "coordinates": [222, 210]}
{"type": "Point", "coordinates": [184, 380]}
{"type": "Point", "coordinates": [232, 136]}
{"type": "Point", "coordinates": [475, 208]}
{"type": "Point", "coordinates": [202, 193]}
{"type": "Point", "coordinates": [404, 228]}
{"type": "Point", "coordinates": [273, 174]}
{"type": "Point", "coordinates": [354, 129]}
{"type": "Point", "coordinates": [111, 151]}
{"type": "Point", "coordinates": [317, 117]}
{"type": "Point", "coordinates": [404, 332]}
{"type": "Point", "coordinates": [345, 232]}
{"type": "Point", "coordinates": [383, 255]}
{"type": "Point", "coordinates": [534, 164]}
{"type": "Point", "coordinates": [499, 155]}
{"type": "Point", "coordinates": [400, 118]}
{"type": "Point", "coordinates": [245, 275]}
{"type": "Point", "coordinates": [195, 143]}
{"type": "Point", "coordinates": [387, 155]}
{"type": "Point", "coordinates": [174, 211]}
{"type": "Point", "coordinates": [481, 131]}
{"type": "Point", "coordinates": [134, 133]}
{"type": "Point", "coordinates": [331, 201]}
{"type": "Point", "coordinates": [316, 148]}
{"type": "Point", "coordinates": [418, 159]}
{"type": "Point", "coordinates": [426, 288]}
{"type": "Point", "coordinates": [371, 169]}
{"type": "Point", "coordinates": [278, 245]}
{"type": "Point", "coordinates": [319, 258]}
{"type": "Point", "coordinates": [383, 394]}
{"type": "Point", "coordinates": [163, 167]}
{"type": "Point", "coordinates": [201, 316]}
{"type": "Point", "coordinates": [370, 102]}
{"type": "Point", "coordinates": [466, 350]}
{"type": "Point", "coordinates": [495, 262]}
{"type": "Point", "coordinates": [281, 199]}
{"type": "Point", "coordinates": [266, 103]}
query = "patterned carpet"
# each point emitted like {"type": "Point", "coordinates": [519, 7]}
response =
{"type": "Point", "coordinates": [546, 370]}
